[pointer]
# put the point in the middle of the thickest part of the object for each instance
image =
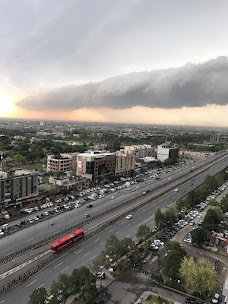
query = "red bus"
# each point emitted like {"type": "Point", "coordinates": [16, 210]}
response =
{"type": "Point", "coordinates": [67, 241]}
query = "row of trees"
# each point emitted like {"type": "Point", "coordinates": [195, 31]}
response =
{"type": "Point", "coordinates": [199, 194]}
{"type": "Point", "coordinates": [80, 282]}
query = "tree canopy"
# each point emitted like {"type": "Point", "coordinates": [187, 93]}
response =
{"type": "Point", "coordinates": [38, 296]}
{"type": "Point", "coordinates": [143, 231]}
{"type": "Point", "coordinates": [199, 275]}
{"type": "Point", "coordinates": [199, 236]}
{"type": "Point", "coordinates": [172, 259]}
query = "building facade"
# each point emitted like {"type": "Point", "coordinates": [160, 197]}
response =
{"type": "Point", "coordinates": [125, 162]}
{"type": "Point", "coordinates": [140, 151]}
{"type": "Point", "coordinates": [96, 165]}
{"type": "Point", "coordinates": [61, 163]}
{"type": "Point", "coordinates": [16, 186]}
{"type": "Point", "coordinates": [219, 138]}
{"type": "Point", "coordinates": [165, 152]}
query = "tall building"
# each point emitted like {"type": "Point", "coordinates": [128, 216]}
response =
{"type": "Point", "coordinates": [16, 186]}
{"type": "Point", "coordinates": [61, 163]}
{"type": "Point", "coordinates": [165, 151]}
{"type": "Point", "coordinates": [96, 165]}
{"type": "Point", "coordinates": [125, 162]}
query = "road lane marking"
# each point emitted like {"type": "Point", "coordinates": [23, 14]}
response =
{"type": "Point", "coordinates": [96, 240]}
{"type": "Point", "coordinates": [31, 283]}
{"type": "Point", "coordinates": [9, 272]}
{"type": "Point", "coordinates": [103, 242]}
{"type": "Point", "coordinates": [117, 232]}
{"type": "Point", "coordinates": [29, 240]}
{"type": "Point", "coordinates": [41, 285]}
{"type": "Point", "coordinates": [85, 254]}
{"type": "Point", "coordinates": [78, 251]}
{"type": "Point", "coordinates": [2, 301]}
{"type": "Point", "coordinates": [128, 236]}
{"type": "Point", "coordinates": [64, 269]}
{"type": "Point", "coordinates": [93, 257]}
{"type": "Point", "coordinates": [111, 230]}
{"type": "Point", "coordinates": [58, 265]}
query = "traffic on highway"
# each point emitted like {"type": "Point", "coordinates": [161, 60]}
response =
{"type": "Point", "coordinates": [159, 193]}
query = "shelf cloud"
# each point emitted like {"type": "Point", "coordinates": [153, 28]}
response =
{"type": "Point", "coordinates": [188, 86]}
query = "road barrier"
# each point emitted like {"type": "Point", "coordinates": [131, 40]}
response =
{"type": "Point", "coordinates": [172, 184]}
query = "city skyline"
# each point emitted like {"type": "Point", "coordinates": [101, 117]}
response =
{"type": "Point", "coordinates": [132, 62]}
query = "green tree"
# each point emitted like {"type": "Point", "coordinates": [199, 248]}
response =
{"type": "Point", "coordinates": [199, 275]}
{"type": "Point", "coordinates": [125, 245]}
{"type": "Point", "coordinates": [171, 263]}
{"type": "Point", "coordinates": [172, 260]}
{"type": "Point", "coordinates": [19, 159]}
{"type": "Point", "coordinates": [38, 296]}
{"type": "Point", "coordinates": [83, 280]}
{"type": "Point", "coordinates": [9, 160]}
{"type": "Point", "coordinates": [224, 204]}
{"type": "Point", "coordinates": [61, 288]}
{"type": "Point", "coordinates": [173, 245]}
{"type": "Point", "coordinates": [113, 247]}
{"type": "Point", "coordinates": [169, 217]}
{"type": "Point", "coordinates": [100, 261]}
{"type": "Point", "coordinates": [159, 218]}
{"type": "Point", "coordinates": [143, 231]}
{"type": "Point", "coordinates": [211, 219]}
{"type": "Point", "coordinates": [199, 236]}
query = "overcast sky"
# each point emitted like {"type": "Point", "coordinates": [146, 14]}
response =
{"type": "Point", "coordinates": [48, 44]}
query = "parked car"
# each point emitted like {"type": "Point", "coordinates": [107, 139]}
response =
{"type": "Point", "coordinates": [215, 299]}
{"type": "Point", "coordinates": [129, 216]}
{"type": "Point", "coordinates": [86, 215]}
{"type": "Point", "coordinates": [89, 206]}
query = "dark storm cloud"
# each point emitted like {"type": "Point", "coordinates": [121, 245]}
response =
{"type": "Point", "coordinates": [188, 86]}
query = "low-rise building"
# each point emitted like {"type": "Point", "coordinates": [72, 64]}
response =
{"type": "Point", "coordinates": [219, 138]}
{"type": "Point", "coordinates": [139, 150]}
{"type": "Point", "coordinates": [61, 163]}
{"type": "Point", "coordinates": [96, 165]}
{"type": "Point", "coordinates": [16, 186]}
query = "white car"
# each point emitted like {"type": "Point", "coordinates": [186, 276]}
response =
{"type": "Point", "coordinates": [176, 190]}
{"type": "Point", "coordinates": [215, 299]}
{"type": "Point", "coordinates": [112, 197]}
{"type": "Point", "coordinates": [129, 216]}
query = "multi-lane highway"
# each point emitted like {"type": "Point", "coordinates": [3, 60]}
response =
{"type": "Point", "coordinates": [85, 252]}
{"type": "Point", "coordinates": [44, 229]}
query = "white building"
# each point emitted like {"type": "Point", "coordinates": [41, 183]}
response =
{"type": "Point", "coordinates": [165, 152]}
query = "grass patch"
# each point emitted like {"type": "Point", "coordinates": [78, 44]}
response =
{"type": "Point", "coordinates": [152, 299]}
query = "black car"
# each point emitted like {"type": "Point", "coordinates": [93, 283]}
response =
{"type": "Point", "coordinates": [89, 206]}
{"type": "Point", "coordinates": [190, 300]}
